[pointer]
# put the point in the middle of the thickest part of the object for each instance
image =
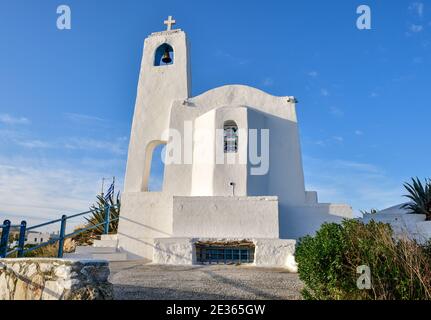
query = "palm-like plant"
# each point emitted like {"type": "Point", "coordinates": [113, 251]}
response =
{"type": "Point", "coordinates": [98, 214]}
{"type": "Point", "coordinates": [420, 196]}
{"type": "Point", "coordinates": [98, 217]}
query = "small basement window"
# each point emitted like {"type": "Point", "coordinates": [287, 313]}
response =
{"type": "Point", "coordinates": [221, 252]}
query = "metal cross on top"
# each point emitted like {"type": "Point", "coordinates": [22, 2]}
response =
{"type": "Point", "coordinates": [169, 23]}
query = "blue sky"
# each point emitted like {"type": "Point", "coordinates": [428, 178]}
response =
{"type": "Point", "coordinates": [67, 97]}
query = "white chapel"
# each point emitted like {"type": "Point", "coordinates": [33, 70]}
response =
{"type": "Point", "coordinates": [233, 185]}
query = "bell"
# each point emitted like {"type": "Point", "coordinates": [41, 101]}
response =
{"type": "Point", "coordinates": [166, 57]}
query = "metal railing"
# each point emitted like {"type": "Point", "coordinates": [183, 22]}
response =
{"type": "Point", "coordinates": [21, 251]}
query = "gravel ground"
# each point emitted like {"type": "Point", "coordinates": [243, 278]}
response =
{"type": "Point", "coordinates": [137, 280]}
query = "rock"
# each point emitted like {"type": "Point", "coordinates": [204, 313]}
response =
{"type": "Point", "coordinates": [53, 290]}
{"type": "Point", "coordinates": [11, 284]}
{"type": "Point", "coordinates": [31, 270]}
{"type": "Point", "coordinates": [93, 273]}
{"type": "Point", "coordinates": [45, 267]}
{"type": "Point", "coordinates": [103, 274]}
{"type": "Point", "coordinates": [16, 267]}
{"type": "Point", "coordinates": [4, 290]}
{"type": "Point", "coordinates": [20, 290]}
{"type": "Point", "coordinates": [70, 283]}
{"type": "Point", "coordinates": [53, 279]}
{"type": "Point", "coordinates": [88, 271]}
{"type": "Point", "coordinates": [35, 287]}
{"type": "Point", "coordinates": [91, 292]}
{"type": "Point", "coordinates": [63, 271]}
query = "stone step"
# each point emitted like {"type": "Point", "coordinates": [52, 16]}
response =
{"type": "Point", "coordinates": [105, 243]}
{"type": "Point", "coordinates": [109, 237]}
{"type": "Point", "coordinates": [91, 249]}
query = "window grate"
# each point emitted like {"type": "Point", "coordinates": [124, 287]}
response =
{"type": "Point", "coordinates": [230, 138]}
{"type": "Point", "coordinates": [224, 255]}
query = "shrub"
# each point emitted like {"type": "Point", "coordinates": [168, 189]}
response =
{"type": "Point", "coordinates": [327, 262]}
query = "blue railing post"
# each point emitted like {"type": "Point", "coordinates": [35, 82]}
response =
{"type": "Point", "coordinates": [21, 239]}
{"type": "Point", "coordinates": [62, 232]}
{"type": "Point", "coordinates": [4, 239]}
{"type": "Point", "coordinates": [107, 216]}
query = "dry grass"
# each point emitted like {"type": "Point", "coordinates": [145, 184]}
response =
{"type": "Point", "coordinates": [400, 268]}
{"type": "Point", "coordinates": [51, 250]}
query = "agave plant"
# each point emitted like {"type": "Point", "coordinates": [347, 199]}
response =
{"type": "Point", "coordinates": [372, 211]}
{"type": "Point", "coordinates": [420, 196]}
{"type": "Point", "coordinates": [98, 217]}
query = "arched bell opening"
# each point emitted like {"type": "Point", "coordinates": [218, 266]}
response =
{"type": "Point", "coordinates": [164, 55]}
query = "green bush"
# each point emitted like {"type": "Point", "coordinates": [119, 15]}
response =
{"type": "Point", "coordinates": [327, 263]}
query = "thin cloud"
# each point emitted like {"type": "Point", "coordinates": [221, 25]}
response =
{"type": "Point", "coordinates": [320, 143]}
{"type": "Point", "coordinates": [334, 141]}
{"type": "Point", "coordinates": [338, 139]}
{"type": "Point", "coordinates": [17, 137]}
{"type": "Point", "coordinates": [225, 55]}
{"type": "Point", "coordinates": [417, 8]}
{"type": "Point", "coordinates": [324, 92]}
{"type": "Point", "coordinates": [358, 166]}
{"type": "Point", "coordinates": [83, 118]}
{"type": "Point", "coordinates": [11, 120]}
{"type": "Point", "coordinates": [313, 74]}
{"type": "Point", "coordinates": [336, 111]}
{"type": "Point", "coordinates": [416, 28]}
{"type": "Point", "coordinates": [34, 144]}
{"type": "Point", "coordinates": [360, 184]}
{"type": "Point", "coordinates": [117, 146]}
{"type": "Point", "coordinates": [38, 189]}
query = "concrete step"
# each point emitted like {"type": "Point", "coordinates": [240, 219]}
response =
{"type": "Point", "coordinates": [109, 237]}
{"type": "Point", "coordinates": [77, 256]}
{"type": "Point", "coordinates": [105, 243]}
{"type": "Point", "coordinates": [117, 256]}
{"type": "Point", "coordinates": [91, 249]}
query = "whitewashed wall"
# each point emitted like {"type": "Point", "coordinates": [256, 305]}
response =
{"type": "Point", "coordinates": [144, 216]}
{"type": "Point", "coordinates": [252, 217]}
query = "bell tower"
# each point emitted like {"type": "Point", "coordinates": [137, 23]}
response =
{"type": "Point", "coordinates": [164, 77]}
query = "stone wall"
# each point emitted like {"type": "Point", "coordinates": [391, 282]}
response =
{"type": "Point", "coordinates": [54, 279]}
